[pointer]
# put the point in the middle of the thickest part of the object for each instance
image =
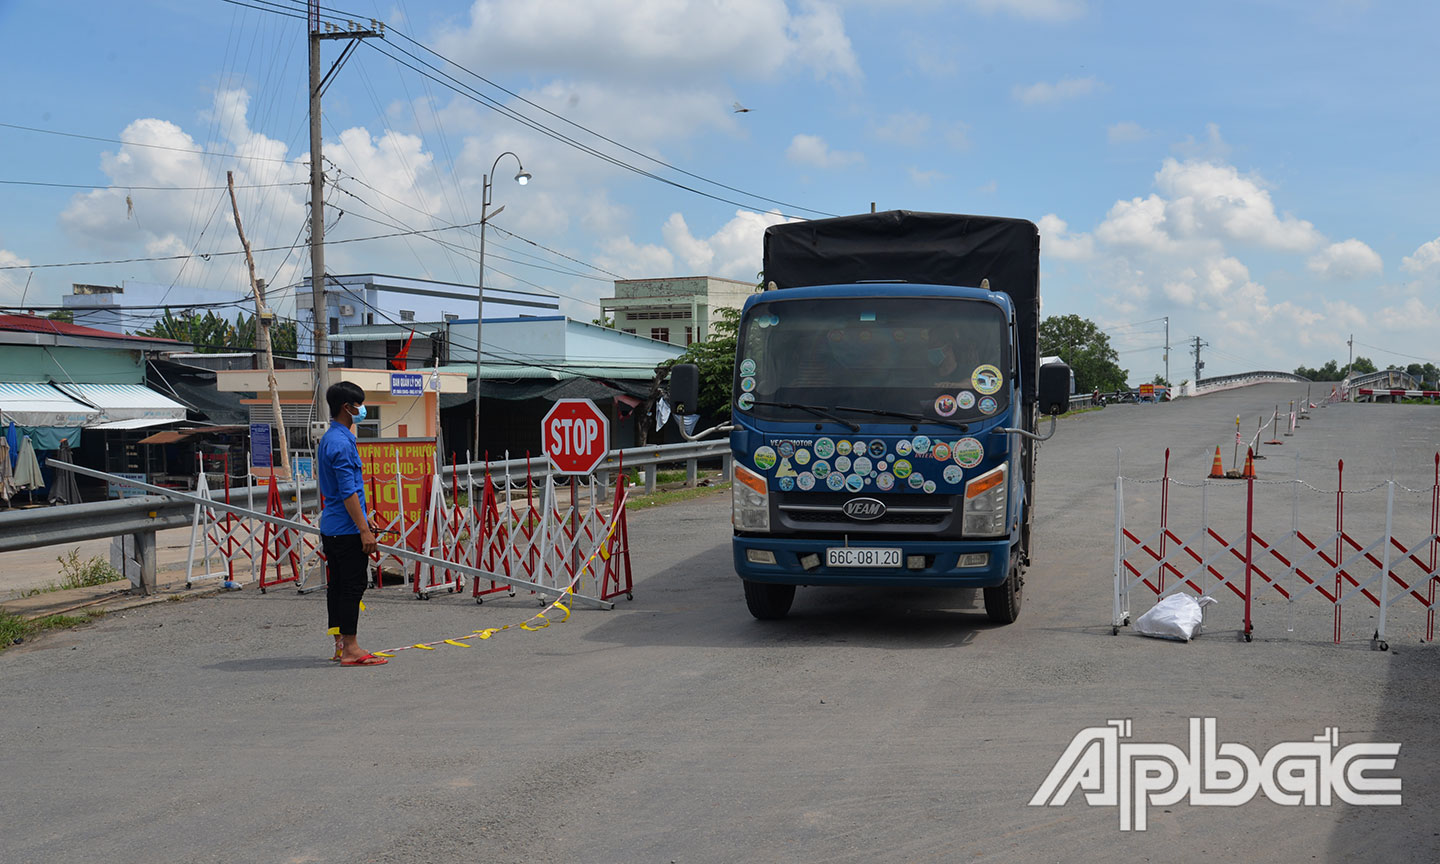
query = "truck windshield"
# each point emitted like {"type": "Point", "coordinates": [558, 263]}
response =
{"type": "Point", "coordinates": [947, 359]}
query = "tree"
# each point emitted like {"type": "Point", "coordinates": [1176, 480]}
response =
{"type": "Point", "coordinates": [1086, 348]}
{"type": "Point", "coordinates": [1362, 366]}
{"type": "Point", "coordinates": [604, 321]}
{"type": "Point", "coordinates": [716, 359]}
{"type": "Point", "coordinates": [64, 315]}
{"type": "Point", "coordinates": [212, 334]}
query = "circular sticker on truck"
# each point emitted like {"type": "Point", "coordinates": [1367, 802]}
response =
{"type": "Point", "coordinates": [765, 458]}
{"type": "Point", "coordinates": [965, 399]}
{"type": "Point", "coordinates": [824, 448]}
{"type": "Point", "coordinates": [746, 401]}
{"type": "Point", "coordinates": [843, 447]}
{"type": "Point", "coordinates": [821, 469]}
{"type": "Point", "coordinates": [802, 456]}
{"type": "Point", "coordinates": [835, 482]}
{"type": "Point", "coordinates": [842, 463]}
{"type": "Point", "coordinates": [968, 452]}
{"type": "Point", "coordinates": [885, 481]}
{"type": "Point", "coordinates": [902, 468]}
{"type": "Point", "coordinates": [953, 474]}
{"type": "Point", "coordinates": [986, 379]}
{"type": "Point", "coordinates": [863, 466]}
{"type": "Point", "coordinates": [806, 481]}
{"type": "Point", "coordinates": [747, 367]}
{"type": "Point", "coordinates": [945, 405]}
{"type": "Point", "coordinates": [942, 451]}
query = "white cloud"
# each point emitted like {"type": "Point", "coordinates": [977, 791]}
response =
{"type": "Point", "coordinates": [1413, 314]}
{"type": "Point", "coordinates": [1056, 241]}
{"type": "Point", "coordinates": [647, 40]}
{"type": "Point", "coordinates": [812, 150]}
{"type": "Point", "coordinates": [1126, 132]}
{"type": "Point", "coordinates": [1213, 147]}
{"type": "Point", "coordinates": [733, 251]}
{"type": "Point", "coordinates": [12, 282]}
{"type": "Point", "coordinates": [1035, 10]}
{"type": "Point", "coordinates": [1212, 199]}
{"type": "Point", "coordinates": [924, 179]}
{"type": "Point", "coordinates": [1202, 204]}
{"type": "Point", "coordinates": [1139, 222]}
{"type": "Point", "coordinates": [1349, 259]}
{"type": "Point", "coordinates": [1045, 93]}
{"type": "Point", "coordinates": [1425, 259]}
{"type": "Point", "coordinates": [906, 128]}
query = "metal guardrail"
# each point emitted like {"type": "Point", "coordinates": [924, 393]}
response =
{"type": "Point", "coordinates": [143, 516]}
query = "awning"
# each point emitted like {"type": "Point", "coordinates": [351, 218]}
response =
{"type": "Point", "coordinates": [176, 436]}
{"type": "Point", "coordinates": [42, 405]}
{"type": "Point", "coordinates": [140, 423]}
{"type": "Point", "coordinates": [125, 402]}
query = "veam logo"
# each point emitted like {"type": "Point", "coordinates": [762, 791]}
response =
{"type": "Point", "coordinates": [863, 509]}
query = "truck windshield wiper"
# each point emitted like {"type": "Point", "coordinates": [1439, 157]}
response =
{"type": "Point", "coordinates": [922, 418]}
{"type": "Point", "coordinates": [817, 410]}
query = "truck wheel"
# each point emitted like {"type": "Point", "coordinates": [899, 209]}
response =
{"type": "Point", "coordinates": [1002, 603]}
{"type": "Point", "coordinates": [767, 601]}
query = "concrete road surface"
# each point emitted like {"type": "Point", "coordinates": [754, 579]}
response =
{"type": "Point", "coordinates": [869, 726]}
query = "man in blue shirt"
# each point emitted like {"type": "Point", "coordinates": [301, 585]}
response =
{"type": "Point", "coordinates": [345, 532]}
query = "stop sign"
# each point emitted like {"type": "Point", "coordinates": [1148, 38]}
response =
{"type": "Point", "coordinates": [575, 436]}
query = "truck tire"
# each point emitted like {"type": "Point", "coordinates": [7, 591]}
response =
{"type": "Point", "coordinates": [767, 601]}
{"type": "Point", "coordinates": [1002, 603]}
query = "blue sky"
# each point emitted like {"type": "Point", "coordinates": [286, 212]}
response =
{"type": "Point", "coordinates": [1263, 173]}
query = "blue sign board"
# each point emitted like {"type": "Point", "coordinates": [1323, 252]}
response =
{"type": "Point", "coordinates": [304, 467]}
{"type": "Point", "coordinates": [402, 384]}
{"type": "Point", "coordinates": [260, 445]}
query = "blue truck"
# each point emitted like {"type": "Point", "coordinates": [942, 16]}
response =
{"type": "Point", "coordinates": [884, 417]}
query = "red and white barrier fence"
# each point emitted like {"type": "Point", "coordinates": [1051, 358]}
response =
{"type": "Point", "coordinates": [497, 541]}
{"type": "Point", "coordinates": [1340, 566]}
{"type": "Point", "coordinates": [1403, 394]}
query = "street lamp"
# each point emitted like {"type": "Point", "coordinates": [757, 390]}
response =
{"type": "Point", "coordinates": [522, 177]}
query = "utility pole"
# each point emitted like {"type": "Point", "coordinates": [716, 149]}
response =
{"type": "Point", "coordinates": [263, 317]}
{"type": "Point", "coordinates": [1167, 350]}
{"type": "Point", "coordinates": [1199, 364]}
{"type": "Point", "coordinates": [1351, 361]}
{"type": "Point", "coordinates": [317, 177]}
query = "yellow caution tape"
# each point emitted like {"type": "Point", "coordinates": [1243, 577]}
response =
{"type": "Point", "coordinates": [604, 553]}
{"type": "Point", "coordinates": [333, 631]}
{"type": "Point", "coordinates": [382, 654]}
{"type": "Point", "coordinates": [563, 608]}
{"type": "Point", "coordinates": [541, 617]}
{"type": "Point", "coordinates": [423, 646]}
{"type": "Point", "coordinates": [453, 642]}
{"type": "Point", "coordinates": [362, 605]}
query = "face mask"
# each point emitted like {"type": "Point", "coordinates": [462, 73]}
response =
{"type": "Point", "coordinates": [360, 415]}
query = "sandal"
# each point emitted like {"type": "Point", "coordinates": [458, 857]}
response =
{"type": "Point", "coordinates": [367, 660]}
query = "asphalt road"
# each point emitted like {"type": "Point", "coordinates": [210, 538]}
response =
{"type": "Point", "coordinates": [869, 726]}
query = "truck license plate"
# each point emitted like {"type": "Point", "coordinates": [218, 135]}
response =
{"type": "Point", "coordinates": [858, 556]}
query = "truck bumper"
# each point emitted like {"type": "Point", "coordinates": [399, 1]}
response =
{"type": "Point", "coordinates": [940, 570]}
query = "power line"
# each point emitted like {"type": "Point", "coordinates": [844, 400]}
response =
{"type": "Point", "coordinates": [1382, 350]}
{"type": "Point", "coordinates": [151, 146]}
{"type": "Point", "coordinates": [208, 255]}
{"type": "Point", "coordinates": [496, 105]}
{"type": "Point", "coordinates": [144, 188]}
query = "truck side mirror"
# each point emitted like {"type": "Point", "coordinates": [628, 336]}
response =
{"type": "Point", "coordinates": [1054, 388]}
{"type": "Point", "coordinates": [685, 388]}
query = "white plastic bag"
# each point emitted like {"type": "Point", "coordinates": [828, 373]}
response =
{"type": "Point", "coordinates": [1177, 617]}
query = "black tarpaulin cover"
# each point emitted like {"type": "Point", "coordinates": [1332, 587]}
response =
{"type": "Point", "coordinates": [921, 248]}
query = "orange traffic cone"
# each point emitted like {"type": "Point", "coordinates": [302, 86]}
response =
{"type": "Point", "coordinates": [1249, 466]}
{"type": "Point", "coordinates": [1217, 470]}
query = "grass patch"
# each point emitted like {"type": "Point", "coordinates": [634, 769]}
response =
{"type": "Point", "coordinates": [642, 502]}
{"type": "Point", "coordinates": [75, 573]}
{"type": "Point", "coordinates": [14, 629]}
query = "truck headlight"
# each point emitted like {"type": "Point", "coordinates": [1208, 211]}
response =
{"type": "Point", "coordinates": [984, 510]}
{"type": "Point", "coordinates": [750, 499]}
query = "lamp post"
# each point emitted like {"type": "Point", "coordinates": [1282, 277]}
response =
{"type": "Point", "coordinates": [522, 177]}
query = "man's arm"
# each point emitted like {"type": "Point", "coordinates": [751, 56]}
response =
{"type": "Point", "coordinates": [357, 515]}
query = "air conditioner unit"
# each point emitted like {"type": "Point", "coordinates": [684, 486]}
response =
{"type": "Point", "coordinates": [346, 310]}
